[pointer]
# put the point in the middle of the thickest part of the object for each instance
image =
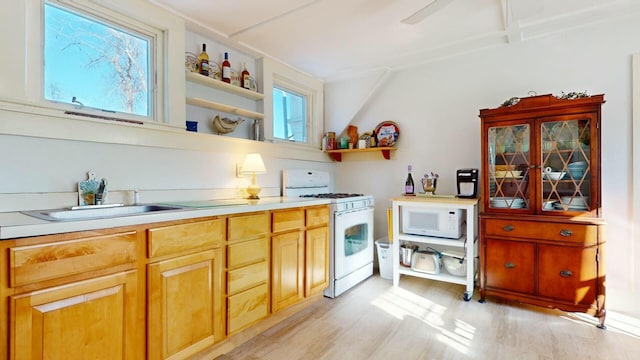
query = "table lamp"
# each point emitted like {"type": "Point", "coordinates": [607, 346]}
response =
{"type": "Point", "coordinates": [253, 165]}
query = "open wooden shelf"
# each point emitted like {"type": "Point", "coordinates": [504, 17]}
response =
{"type": "Point", "coordinates": [224, 108]}
{"type": "Point", "coordinates": [336, 155]}
{"type": "Point", "coordinates": [221, 85]}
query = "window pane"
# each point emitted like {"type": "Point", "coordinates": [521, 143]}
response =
{"type": "Point", "coordinates": [289, 115]}
{"type": "Point", "coordinates": [101, 65]}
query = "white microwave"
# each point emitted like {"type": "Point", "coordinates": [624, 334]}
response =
{"type": "Point", "coordinates": [446, 223]}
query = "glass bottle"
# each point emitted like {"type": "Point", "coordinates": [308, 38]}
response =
{"type": "Point", "coordinates": [203, 61]}
{"type": "Point", "coordinates": [408, 185]}
{"type": "Point", "coordinates": [226, 69]}
{"type": "Point", "coordinates": [245, 80]}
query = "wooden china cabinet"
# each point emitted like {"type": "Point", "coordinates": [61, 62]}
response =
{"type": "Point", "coordinates": [541, 227]}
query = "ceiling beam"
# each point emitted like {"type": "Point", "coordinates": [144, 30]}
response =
{"type": "Point", "coordinates": [511, 26]}
{"type": "Point", "coordinates": [274, 18]}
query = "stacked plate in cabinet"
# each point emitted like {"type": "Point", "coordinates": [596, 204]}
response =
{"type": "Point", "coordinates": [507, 202]}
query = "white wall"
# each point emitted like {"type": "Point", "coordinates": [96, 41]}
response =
{"type": "Point", "coordinates": [436, 106]}
{"type": "Point", "coordinates": [44, 153]}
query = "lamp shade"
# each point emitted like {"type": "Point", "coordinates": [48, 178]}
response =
{"type": "Point", "coordinates": [253, 164]}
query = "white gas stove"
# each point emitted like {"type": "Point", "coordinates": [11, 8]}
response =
{"type": "Point", "coordinates": [351, 227]}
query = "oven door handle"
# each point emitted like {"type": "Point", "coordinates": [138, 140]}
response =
{"type": "Point", "coordinates": [351, 211]}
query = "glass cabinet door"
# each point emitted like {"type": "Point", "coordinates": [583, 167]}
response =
{"type": "Point", "coordinates": [565, 153]}
{"type": "Point", "coordinates": [509, 164]}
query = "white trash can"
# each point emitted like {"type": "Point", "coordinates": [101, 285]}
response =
{"type": "Point", "coordinates": [385, 258]}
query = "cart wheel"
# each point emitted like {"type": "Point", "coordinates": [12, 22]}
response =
{"type": "Point", "coordinates": [466, 296]}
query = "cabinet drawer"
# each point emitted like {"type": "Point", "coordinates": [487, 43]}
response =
{"type": "Point", "coordinates": [247, 308]}
{"type": "Point", "coordinates": [317, 216]}
{"type": "Point", "coordinates": [30, 264]}
{"type": "Point", "coordinates": [287, 220]}
{"type": "Point", "coordinates": [176, 238]}
{"type": "Point", "coordinates": [245, 277]}
{"type": "Point", "coordinates": [510, 265]}
{"type": "Point", "coordinates": [568, 273]}
{"type": "Point", "coordinates": [242, 227]}
{"type": "Point", "coordinates": [578, 233]}
{"type": "Point", "coordinates": [247, 252]}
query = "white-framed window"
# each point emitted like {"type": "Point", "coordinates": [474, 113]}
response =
{"type": "Point", "coordinates": [99, 62]}
{"type": "Point", "coordinates": [296, 107]}
{"type": "Point", "coordinates": [290, 115]}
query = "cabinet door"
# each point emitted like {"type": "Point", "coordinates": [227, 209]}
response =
{"type": "Point", "coordinates": [317, 260]}
{"type": "Point", "coordinates": [568, 273]}
{"type": "Point", "coordinates": [507, 167]}
{"type": "Point", "coordinates": [510, 265]}
{"type": "Point", "coordinates": [91, 319]}
{"type": "Point", "coordinates": [184, 304]}
{"type": "Point", "coordinates": [568, 162]}
{"type": "Point", "coordinates": [287, 269]}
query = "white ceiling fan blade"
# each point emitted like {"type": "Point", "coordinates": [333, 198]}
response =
{"type": "Point", "coordinates": [426, 11]}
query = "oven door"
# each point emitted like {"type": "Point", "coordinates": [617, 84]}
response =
{"type": "Point", "coordinates": [353, 235]}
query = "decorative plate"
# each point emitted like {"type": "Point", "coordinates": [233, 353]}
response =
{"type": "Point", "coordinates": [214, 70]}
{"type": "Point", "coordinates": [190, 62]}
{"type": "Point", "coordinates": [386, 133]}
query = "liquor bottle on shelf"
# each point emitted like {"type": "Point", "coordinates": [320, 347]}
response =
{"type": "Point", "coordinates": [245, 79]}
{"type": "Point", "coordinates": [226, 69]}
{"type": "Point", "coordinates": [203, 61]}
{"type": "Point", "coordinates": [408, 185]}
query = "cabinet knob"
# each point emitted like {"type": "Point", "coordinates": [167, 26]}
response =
{"type": "Point", "coordinates": [508, 228]}
{"type": "Point", "coordinates": [509, 265]}
{"type": "Point", "coordinates": [566, 273]}
{"type": "Point", "coordinates": [565, 232]}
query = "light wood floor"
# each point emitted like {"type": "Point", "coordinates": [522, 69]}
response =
{"type": "Point", "coordinates": [425, 319]}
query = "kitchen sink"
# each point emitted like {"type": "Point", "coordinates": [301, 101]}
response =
{"type": "Point", "coordinates": [102, 212]}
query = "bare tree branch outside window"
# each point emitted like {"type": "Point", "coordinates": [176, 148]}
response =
{"type": "Point", "coordinates": [102, 66]}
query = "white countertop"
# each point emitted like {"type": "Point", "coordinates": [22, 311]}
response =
{"type": "Point", "coordinates": [17, 225]}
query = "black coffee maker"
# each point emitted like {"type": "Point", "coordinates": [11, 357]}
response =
{"type": "Point", "coordinates": [467, 183]}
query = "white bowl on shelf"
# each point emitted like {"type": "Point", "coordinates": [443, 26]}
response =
{"type": "Point", "coordinates": [575, 202]}
{"type": "Point", "coordinates": [554, 175]}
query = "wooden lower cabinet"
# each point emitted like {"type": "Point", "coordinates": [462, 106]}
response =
{"type": "Point", "coordinates": [157, 291]}
{"type": "Point", "coordinates": [558, 265]}
{"type": "Point", "coordinates": [185, 289]}
{"type": "Point", "coordinates": [568, 274]}
{"type": "Point", "coordinates": [287, 269]}
{"type": "Point", "coordinates": [90, 319]}
{"type": "Point", "coordinates": [511, 265]}
{"type": "Point", "coordinates": [317, 260]}
{"type": "Point", "coordinates": [247, 271]}
{"type": "Point", "coordinates": [299, 255]}
{"type": "Point", "coordinates": [184, 305]}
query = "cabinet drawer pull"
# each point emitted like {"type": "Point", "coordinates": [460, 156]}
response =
{"type": "Point", "coordinates": [565, 232]}
{"type": "Point", "coordinates": [566, 273]}
{"type": "Point", "coordinates": [508, 228]}
{"type": "Point", "coordinates": [509, 265]}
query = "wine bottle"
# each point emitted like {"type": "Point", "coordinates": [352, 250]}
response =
{"type": "Point", "coordinates": [245, 80]}
{"type": "Point", "coordinates": [226, 69]}
{"type": "Point", "coordinates": [203, 61]}
{"type": "Point", "coordinates": [408, 185]}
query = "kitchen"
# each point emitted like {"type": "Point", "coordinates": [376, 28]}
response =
{"type": "Point", "coordinates": [437, 115]}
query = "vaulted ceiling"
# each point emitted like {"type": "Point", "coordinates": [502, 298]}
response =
{"type": "Point", "coordinates": [330, 39]}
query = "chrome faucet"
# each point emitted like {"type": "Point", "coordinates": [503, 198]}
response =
{"type": "Point", "coordinates": [99, 196]}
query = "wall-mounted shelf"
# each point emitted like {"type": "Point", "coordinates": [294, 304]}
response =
{"type": "Point", "coordinates": [224, 108]}
{"type": "Point", "coordinates": [336, 155]}
{"type": "Point", "coordinates": [221, 85]}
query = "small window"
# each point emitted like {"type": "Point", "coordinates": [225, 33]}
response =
{"type": "Point", "coordinates": [93, 63]}
{"type": "Point", "coordinates": [290, 121]}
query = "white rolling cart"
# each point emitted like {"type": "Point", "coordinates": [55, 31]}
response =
{"type": "Point", "coordinates": [467, 243]}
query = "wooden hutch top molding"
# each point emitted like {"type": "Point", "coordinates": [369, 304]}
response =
{"type": "Point", "coordinates": [546, 102]}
